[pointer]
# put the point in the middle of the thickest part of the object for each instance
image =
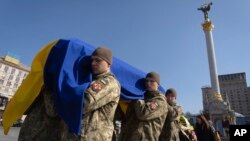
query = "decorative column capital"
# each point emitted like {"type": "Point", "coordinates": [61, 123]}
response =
{"type": "Point", "coordinates": [208, 26]}
{"type": "Point", "coordinates": [217, 96]}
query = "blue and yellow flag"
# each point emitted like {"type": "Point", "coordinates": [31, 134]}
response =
{"type": "Point", "coordinates": [28, 91]}
{"type": "Point", "coordinates": [64, 66]}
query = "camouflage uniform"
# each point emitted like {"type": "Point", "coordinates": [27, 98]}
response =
{"type": "Point", "coordinates": [170, 130]}
{"type": "Point", "coordinates": [142, 122]}
{"type": "Point", "coordinates": [42, 123]}
{"type": "Point", "coordinates": [119, 118]}
{"type": "Point", "coordinates": [101, 100]}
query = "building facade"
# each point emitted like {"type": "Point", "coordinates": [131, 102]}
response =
{"type": "Point", "coordinates": [12, 73]}
{"type": "Point", "coordinates": [234, 91]}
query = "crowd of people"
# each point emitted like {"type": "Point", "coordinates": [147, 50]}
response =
{"type": "Point", "coordinates": [156, 117]}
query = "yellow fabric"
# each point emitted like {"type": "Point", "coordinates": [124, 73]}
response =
{"type": "Point", "coordinates": [124, 105]}
{"type": "Point", "coordinates": [28, 91]}
{"type": "Point", "coordinates": [184, 123]}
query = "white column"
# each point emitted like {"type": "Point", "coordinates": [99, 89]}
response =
{"type": "Point", "coordinates": [212, 62]}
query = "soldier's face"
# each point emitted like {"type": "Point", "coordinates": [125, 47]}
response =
{"type": "Point", "coordinates": [98, 65]}
{"type": "Point", "coordinates": [171, 99]}
{"type": "Point", "coordinates": [151, 84]}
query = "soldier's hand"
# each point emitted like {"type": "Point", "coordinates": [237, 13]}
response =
{"type": "Point", "coordinates": [179, 109]}
{"type": "Point", "coordinates": [153, 105]}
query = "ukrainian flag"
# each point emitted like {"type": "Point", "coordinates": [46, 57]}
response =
{"type": "Point", "coordinates": [28, 91]}
{"type": "Point", "coordinates": [64, 66]}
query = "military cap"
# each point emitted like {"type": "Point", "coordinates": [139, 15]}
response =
{"type": "Point", "coordinates": [154, 76]}
{"type": "Point", "coordinates": [104, 53]}
{"type": "Point", "coordinates": [171, 91]}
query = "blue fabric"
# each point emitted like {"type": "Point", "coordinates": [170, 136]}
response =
{"type": "Point", "coordinates": [67, 73]}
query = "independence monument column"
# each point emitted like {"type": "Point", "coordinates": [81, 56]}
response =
{"type": "Point", "coordinates": [207, 28]}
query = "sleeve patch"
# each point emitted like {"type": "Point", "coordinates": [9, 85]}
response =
{"type": "Point", "coordinates": [96, 86]}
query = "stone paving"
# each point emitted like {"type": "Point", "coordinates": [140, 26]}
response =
{"type": "Point", "coordinates": [12, 135]}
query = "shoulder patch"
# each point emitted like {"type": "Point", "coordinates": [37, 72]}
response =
{"type": "Point", "coordinates": [97, 86]}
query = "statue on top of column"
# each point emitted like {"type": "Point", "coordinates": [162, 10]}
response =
{"type": "Point", "coordinates": [205, 8]}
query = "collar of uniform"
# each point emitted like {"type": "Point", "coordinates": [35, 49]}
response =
{"type": "Point", "coordinates": [174, 104]}
{"type": "Point", "coordinates": [108, 73]}
{"type": "Point", "coordinates": [151, 94]}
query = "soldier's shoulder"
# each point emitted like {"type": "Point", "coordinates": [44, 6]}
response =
{"type": "Point", "coordinates": [109, 79]}
{"type": "Point", "coordinates": [162, 101]}
{"type": "Point", "coordinates": [161, 96]}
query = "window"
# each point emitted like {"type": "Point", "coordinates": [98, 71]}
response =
{"type": "Point", "coordinates": [17, 79]}
{"type": "Point", "coordinates": [8, 83]}
{"type": "Point", "coordinates": [13, 71]}
{"type": "Point", "coordinates": [15, 85]}
{"type": "Point", "coordinates": [24, 75]}
{"type": "Point", "coordinates": [3, 101]}
{"type": "Point", "coordinates": [19, 74]}
{"type": "Point", "coordinates": [6, 68]}
{"type": "Point", "coordinates": [10, 77]}
{"type": "Point", "coordinates": [1, 81]}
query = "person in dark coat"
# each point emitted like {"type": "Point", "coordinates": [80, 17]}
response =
{"type": "Point", "coordinates": [203, 130]}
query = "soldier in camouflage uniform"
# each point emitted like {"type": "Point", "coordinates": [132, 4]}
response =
{"type": "Point", "coordinates": [101, 99]}
{"type": "Point", "coordinates": [119, 118]}
{"type": "Point", "coordinates": [170, 131]}
{"type": "Point", "coordinates": [42, 122]}
{"type": "Point", "coordinates": [145, 118]}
